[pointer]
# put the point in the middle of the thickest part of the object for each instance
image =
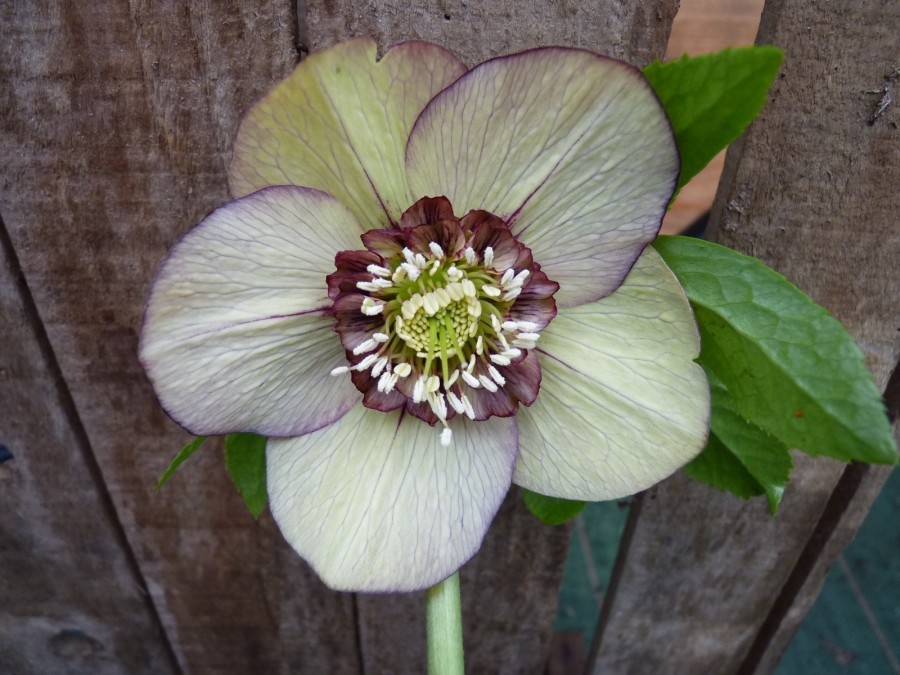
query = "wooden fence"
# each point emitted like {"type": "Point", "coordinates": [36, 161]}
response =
{"type": "Point", "coordinates": [117, 123]}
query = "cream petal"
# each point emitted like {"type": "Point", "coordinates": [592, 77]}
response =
{"type": "Point", "coordinates": [375, 503]}
{"type": "Point", "coordinates": [340, 123]}
{"type": "Point", "coordinates": [622, 402]}
{"type": "Point", "coordinates": [570, 147]}
{"type": "Point", "coordinates": [236, 336]}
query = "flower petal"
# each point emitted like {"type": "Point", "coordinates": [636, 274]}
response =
{"type": "Point", "coordinates": [235, 334]}
{"type": "Point", "coordinates": [340, 123]}
{"type": "Point", "coordinates": [570, 147]}
{"type": "Point", "coordinates": [375, 503]}
{"type": "Point", "coordinates": [622, 402]}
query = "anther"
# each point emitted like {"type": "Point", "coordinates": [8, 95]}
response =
{"type": "Point", "coordinates": [371, 307]}
{"type": "Point", "coordinates": [455, 403]}
{"type": "Point", "coordinates": [511, 295]}
{"type": "Point", "coordinates": [470, 412]}
{"type": "Point", "coordinates": [499, 359]}
{"type": "Point", "coordinates": [366, 362]}
{"type": "Point", "coordinates": [487, 383]}
{"type": "Point", "coordinates": [436, 249]}
{"type": "Point", "coordinates": [432, 384]}
{"type": "Point", "coordinates": [365, 346]}
{"type": "Point", "coordinates": [491, 291]}
{"type": "Point", "coordinates": [378, 271]}
{"type": "Point", "coordinates": [380, 365]}
{"type": "Point", "coordinates": [470, 255]}
{"type": "Point", "coordinates": [488, 256]}
{"type": "Point", "coordinates": [340, 370]}
{"type": "Point", "coordinates": [495, 323]}
{"type": "Point", "coordinates": [507, 276]}
{"type": "Point", "coordinates": [496, 376]}
{"type": "Point", "coordinates": [446, 437]}
{"type": "Point", "coordinates": [470, 379]}
{"type": "Point", "coordinates": [380, 337]}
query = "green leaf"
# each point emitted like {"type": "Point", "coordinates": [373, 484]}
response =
{"type": "Point", "coordinates": [552, 510]}
{"type": "Point", "coordinates": [740, 457]}
{"type": "Point", "coordinates": [789, 366]}
{"type": "Point", "coordinates": [711, 99]}
{"type": "Point", "coordinates": [245, 456]}
{"type": "Point", "coordinates": [182, 455]}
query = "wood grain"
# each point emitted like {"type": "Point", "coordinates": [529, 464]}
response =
{"type": "Point", "coordinates": [510, 590]}
{"type": "Point", "coordinates": [71, 598]}
{"type": "Point", "coordinates": [811, 190]}
{"type": "Point", "coordinates": [119, 118]}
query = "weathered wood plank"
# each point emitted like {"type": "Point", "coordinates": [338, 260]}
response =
{"type": "Point", "coordinates": [71, 598]}
{"type": "Point", "coordinates": [510, 589]}
{"type": "Point", "coordinates": [812, 191]}
{"type": "Point", "coordinates": [119, 118]}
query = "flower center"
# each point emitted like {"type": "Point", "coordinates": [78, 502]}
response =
{"type": "Point", "coordinates": [439, 319]}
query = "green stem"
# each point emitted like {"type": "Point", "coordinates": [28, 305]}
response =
{"type": "Point", "coordinates": [444, 621]}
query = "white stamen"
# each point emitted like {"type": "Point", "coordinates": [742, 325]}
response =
{"type": "Point", "coordinates": [439, 406]}
{"type": "Point", "coordinates": [408, 310]}
{"type": "Point", "coordinates": [479, 345]}
{"type": "Point", "coordinates": [418, 393]}
{"type": "Point", "coordinates": [368, 286]}
{"type": "Point", "coordinates": [509, 325]}
{"type": "Point", "coordinates": [432, 384]}
{"type": "Point", "coordinates": [455, 403]}
{"type": "Point", "coordinates": [411, 270]}
{"type": "Point", "coordinates": [470, 379]}
{"type": "Point", "coordinates": [529, 336]}
{"type": "Point", "coordinates": [450, 381]}
{"type": "Point", "coordinates": [409, 256]}
{"type": "Point", "coordinates": [470, 255]}
{"type": "Point", "coordinates": [454, 273]}
{"type": "Point", "coordinates": [507, 276]}
{"type": "Point", "coordinates": [471, 366]}
{"type": "Point", "coordinates": [371, 307]}
{"type": "Point", "coordinates": [434, 267]}
{"type": "Point", "coordinates": [443, 296]}
{"type": "Point", "coordinates": [383, 381]}
{"type": "Point", "coordinates": [474, 308]}
{"type": "Point", "coordinates": [503, 342]}
{"type": "Point", "coordinates": [519, 279]}
{"type": "Point", "coordinates": [380, 365]}
{"type": "Point", "coordinates": [527, 325]}
{"type": "Point", "coordinates": [469, 288]}
{"type": "Point", "coordinates": [511, 295]}
{"type": "Point", "coordinates": [488, 256]}
{"type": "Point", "coordinates": [495, 323]}
{"type": "Point", "coordinates": [430, 304]}
{"type": "Point", "coordinates": [403, 369]}
{"type": "Point", "coordinates": [378, 271]}
{"type": "Point", "coordinates": [499, 359]}
{"type": "Point", "coordinates": [340, 370]}
{"type": "Point", "coordinates": [366, 362]}
{"type": "Point", "coordinates": [365, 346]}
{"type": "Point", "coordinates": [470, 412]}
{"type": "Point", "coordinates": [491, 291]}
{"type": "Point", "coordinates": [446, 437]}
{"type": "Point", "coordinates": [392, 382]}
{"type": "Point", "coordinates": [512, 353]}
{"type": "Point", "coordinates": [496, 376]}
{"type": "Point", "coordinates": [524, 344]}
{"type": "Point", "coordinates": [399, 274]}
{"type": "Point", "coordinates": [421, 261]}
{"type": "Point", "coordinates": [436, 249]}
{"type": "Point", "coordinates": [487, 383]}
{"type": "Point", "coordinates": [380, 337]}
{"type": "Point", "coordinates": [455, 290]}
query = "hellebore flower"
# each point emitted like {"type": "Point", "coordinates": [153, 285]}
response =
{"type": "Point", "coordinates": [432, 283]}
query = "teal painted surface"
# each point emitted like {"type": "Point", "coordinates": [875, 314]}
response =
{"type": "Point", "coordinates": [853, 629]}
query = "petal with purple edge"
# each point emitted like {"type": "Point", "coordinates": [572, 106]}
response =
{"type": "Point", "coordinates": [375, 503]}
{"type": "Point", "coordinates": [569, 147]}
{"type": "Point", "coordinates": [340, 123]}
{"type": "Point", "coordinates": [236, 336]}
{"type": "Point", "coordinates": [622, 404]}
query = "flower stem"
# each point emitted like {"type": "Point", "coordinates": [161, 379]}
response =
{"type": "Point", "coordinates": [444, 627]}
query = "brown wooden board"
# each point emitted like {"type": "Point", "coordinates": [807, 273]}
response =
{"type": "Point", "coordinates": [510, 590]}
{"type": "Point", "coordinates": [704, 579]}
{"type": "Point", "coordinates": [71, 598]}
{"type": "Point", "coordinates": [117, 127]}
